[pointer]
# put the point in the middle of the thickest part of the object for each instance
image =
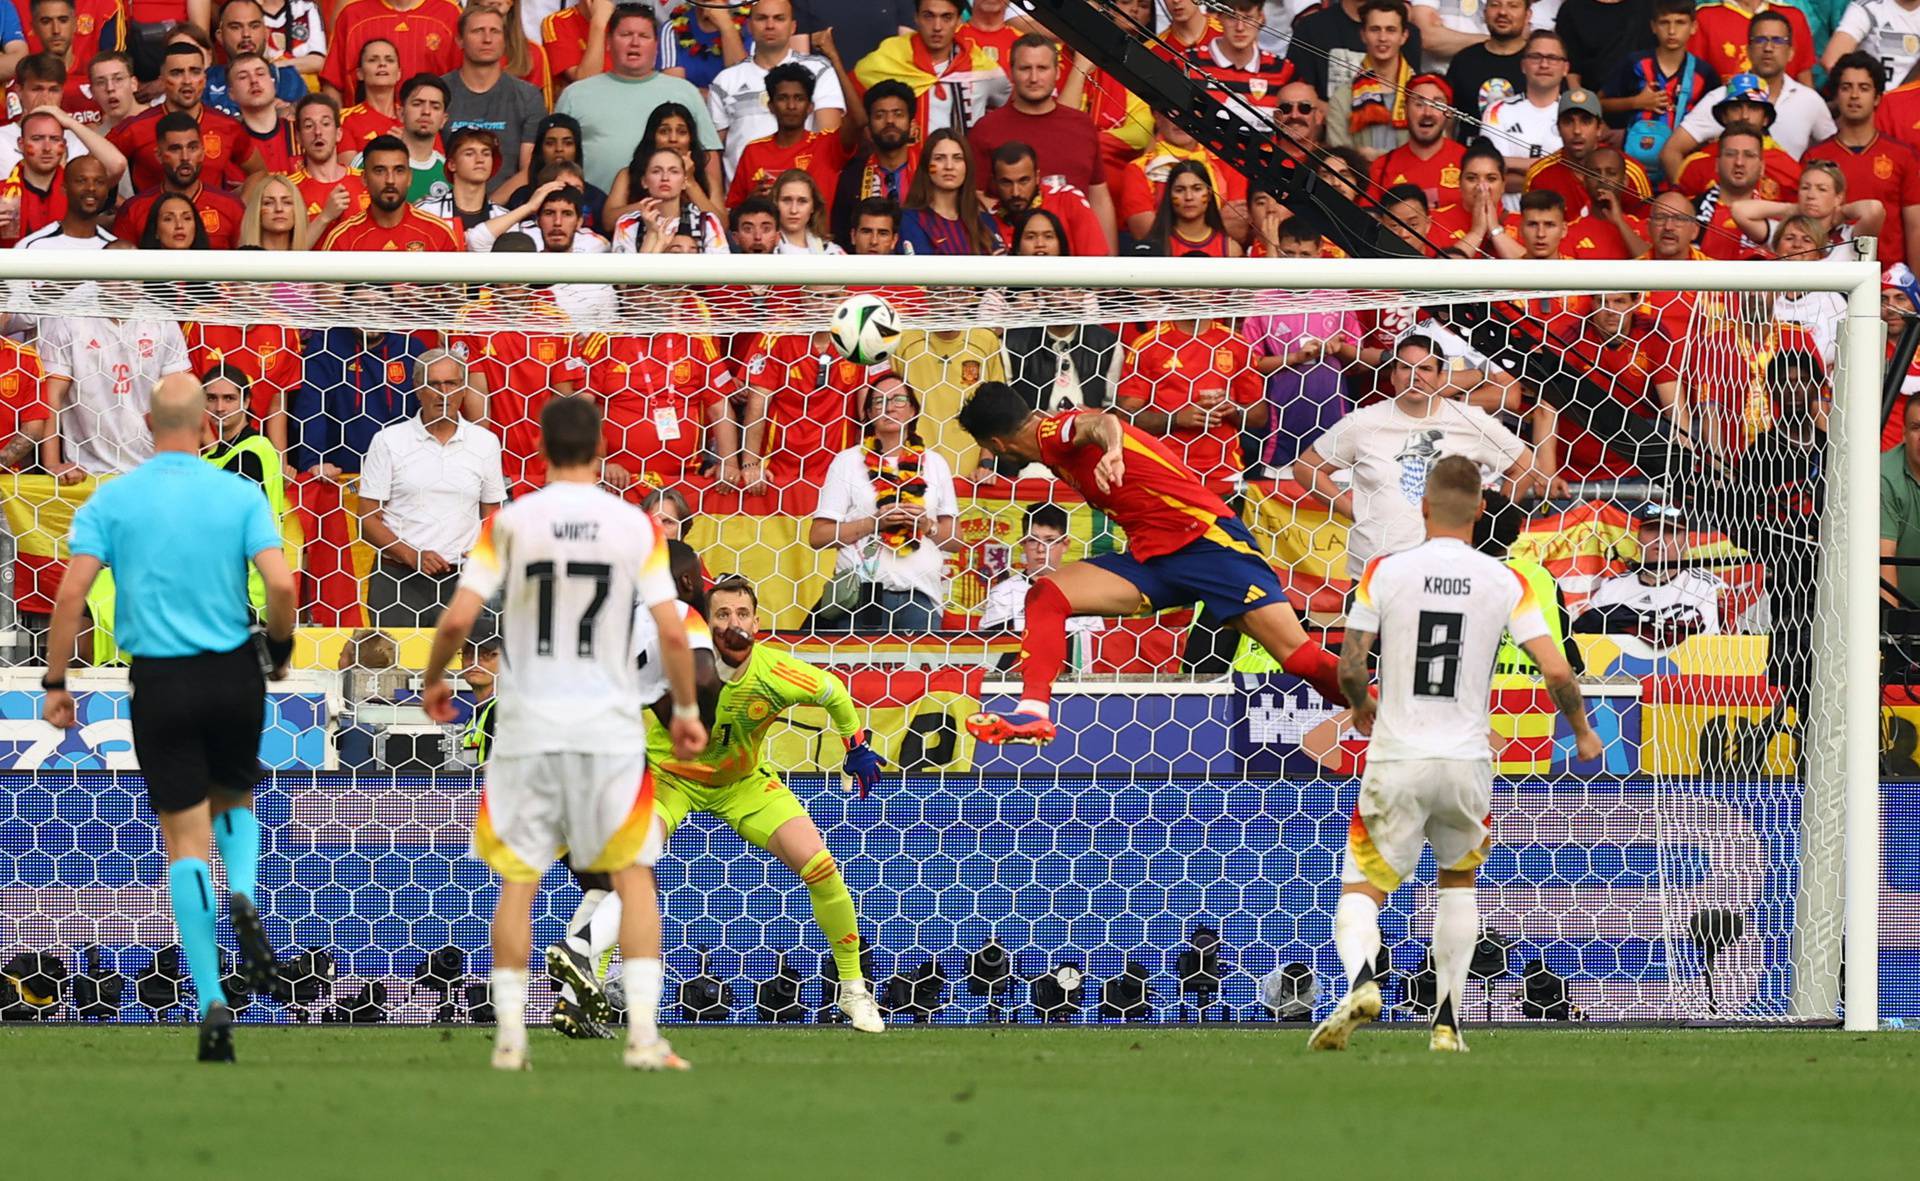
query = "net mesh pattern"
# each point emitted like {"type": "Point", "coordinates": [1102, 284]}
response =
{"type": "Point", "coordinates": [1658, 458]}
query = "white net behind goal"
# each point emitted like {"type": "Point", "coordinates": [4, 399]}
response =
{"type": "Point", "coordinates": [1667, 465]}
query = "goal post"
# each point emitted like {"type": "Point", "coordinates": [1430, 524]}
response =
{"type": "Point", "coordinates": [1823, 802]}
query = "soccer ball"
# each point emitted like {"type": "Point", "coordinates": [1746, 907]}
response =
{"type": "Point", "coordinates": [864, 329]}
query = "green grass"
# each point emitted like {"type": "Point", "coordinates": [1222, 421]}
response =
{"type": "Point", "coordinates": [992, 1103]}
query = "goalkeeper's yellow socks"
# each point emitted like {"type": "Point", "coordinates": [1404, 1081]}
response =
{"type": "Point", "coordinates": [190, 883]}
{"type": "Point", "coordinates": [1356, 935]}
{"type": "Point", "coordinates": [833, 910]}
{"type": "Point", "coordinates": [236, 833]}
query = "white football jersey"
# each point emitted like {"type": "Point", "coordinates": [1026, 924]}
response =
{"type": "Point", "coordinates": [1886, 31]}
{"type": "Point", "coordinates": [646, 647]}
{"type": "Point", "coordinates": [1440, 610]}
{"type": "Point", "coordinates": [574, 561]}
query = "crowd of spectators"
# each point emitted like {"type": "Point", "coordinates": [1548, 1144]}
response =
{"type": "Point", "coordinates": [1583, 129]}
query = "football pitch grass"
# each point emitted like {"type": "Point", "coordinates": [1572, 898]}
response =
{"type": "Point", "coordinates": [1005, 1102]}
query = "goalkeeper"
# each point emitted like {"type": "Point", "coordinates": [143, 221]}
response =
{"type": "Point", "coordinates": [730, 780]}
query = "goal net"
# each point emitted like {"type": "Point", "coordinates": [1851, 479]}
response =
{"type": "Point", "coordinates": [1681, 457]}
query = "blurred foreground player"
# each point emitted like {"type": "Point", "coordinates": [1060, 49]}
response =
{"type": "Point", "coordinates": [181, 536]}
{"type": "Point", "coordinates": [733, 781]}
{"type": "Point", "coordinates": [1184, 545]}
{"type": "Point", "coordinates": [578, 961]}
{"type": "Point", "coordinates": [1439, 611]}
{"type": "Point", "coordinates": [570, 765]}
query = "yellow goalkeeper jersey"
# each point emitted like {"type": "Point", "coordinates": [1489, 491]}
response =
{"type": "Point", "coordinates": [768, 684]}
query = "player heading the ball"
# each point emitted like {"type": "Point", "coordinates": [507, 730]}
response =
{"type": "Point", "coordinates": [1439, 611]}
{"type": "Point", "coordinates": [569, 766]}
{"type": "Point", "coordinates": [1184, 545]}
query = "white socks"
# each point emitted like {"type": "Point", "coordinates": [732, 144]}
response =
{"type": "Point", "coordinates": [1028, 705]}
{"type": "Point", "coordinates": [1356, 934]}
{"type": "Point", "coordinates": [509, 992]}
{"type": "Point", "coordinates": [603, 929]}
{"type": "Point", "coordinates": [645, 981]}
{"type": "Point", "coordinates": [590, 901]}
{"type": "Point", "coordinates": [1456, 927]}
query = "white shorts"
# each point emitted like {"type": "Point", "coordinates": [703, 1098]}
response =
{"type": "Point", "coordinates": [1403, 806]}
{"type": "Point", "coordinates": [596, 807]}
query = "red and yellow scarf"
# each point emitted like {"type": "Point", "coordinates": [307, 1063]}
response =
{"type": "Point", "coordinates": [1378, 102]}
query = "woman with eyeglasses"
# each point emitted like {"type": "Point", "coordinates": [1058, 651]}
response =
{"type": "Point", "coordinates": [889, 507]}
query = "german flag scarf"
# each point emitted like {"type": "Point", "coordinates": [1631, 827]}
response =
{"type": "Point", "coordinates": [897, 479]}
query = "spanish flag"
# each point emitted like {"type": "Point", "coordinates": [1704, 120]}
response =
{"type": "Point", "coordinates": [40, 516]}
{"type": "Point", "coordinates": [903, 58]}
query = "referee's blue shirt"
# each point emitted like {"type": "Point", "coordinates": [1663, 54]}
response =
{"type": "Point", "coordinates": [180, 535]}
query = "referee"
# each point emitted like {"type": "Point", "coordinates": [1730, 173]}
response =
{"type": "Point", "coordinates": [179, 535]}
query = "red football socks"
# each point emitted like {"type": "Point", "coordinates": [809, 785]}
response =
{"type": "Point", "coordinates": [1043, 653]}
{"type": "Point", "coordinates": [1312, 664]}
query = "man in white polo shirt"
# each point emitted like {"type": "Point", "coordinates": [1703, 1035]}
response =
{"type": "Point", "coordinates": [737, 99]}
{"type": "Point", "coordinates": [425, 485]}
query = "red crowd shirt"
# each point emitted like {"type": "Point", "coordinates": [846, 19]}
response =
{"type": "Point", "coordinates": [1257, 86]}
{"type": "Point", "coordinates": [1720, 36]}
{"type": "Point", "coordinates": [39, 208]}
{"type": "Point", "coordinates": [1596, 237]}
{"type": "Point", "coordinates": [1629, 369]}
{"type": "Point", "coordinates": [564, 37]}
{"type": "Point", "coordinates": [414, 231]}
{"type": "Point", "coordinates": [1779, 176]}
{"type": "Point", "coordinates": [1085, 235]}
{"type": "Point", "coordinates": [1161, 505]}
{"type": "Point", "coordinates": [267, 353]}
{"type": "Point", "coordinates": [1554, 174]}
{"type": "Point", "coordinates": [1885, 170]}
{"type": "Point", "coordinates": [20, 398]}
{"type": "Point", "coordinates": [1898, 114]}
{"type": "Point", "coordinates": [1438, 175]}
{"type": "Point", "coordinates": [810, 404]}
{"type": "Point", "coordinates": [315, 192]}
{"type": "Point", "coordinates": [998, 43]}
{"type": "Point", "coordinates": [1065, 144]}
{"type": "Point", "coordinates": [1170, 367]}
{"type": "Point", "coordinates": [656, 393]}
{"type": "Point", "coordinates": [820, 154]}
{"type": "Point", "coordinates": [426, 37]}
{"type": "Point", "coordinates": [360, 124]}
{"type": "Point", "coordinates": [219, 212]}
{"type": "Point", "coordinates": [227, 144]}
{"type": "Point", "coordinates": [1140, 182]}
{"type": "Point", "coordinates": [276, 147]}
{"type": "Point", "coordinates": [521, 369]}
{"type": "Point", "coordinates": [90, 19]}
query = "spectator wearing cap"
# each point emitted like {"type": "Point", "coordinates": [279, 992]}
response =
{"type": "Point", "coordinates": [427, 483]}
{"type": "Point", "coordinates": [1526, 126]}
{"type": "Point", "coordinates": [1431, 156]}
{"type": "Point", "coordinates": [1779, 172]}
{"type": "Point", "coordinates": [1797, 113]}
{"type": "Point", "coordinates": [1367, 90]}
{"type": "Point", "coordinates": [1567, 171]}
{"type": "Point", "coordinates": [1661, 601]}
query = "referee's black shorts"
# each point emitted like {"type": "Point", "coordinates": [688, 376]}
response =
{"type": "Point", "coordinates": [196, 724]}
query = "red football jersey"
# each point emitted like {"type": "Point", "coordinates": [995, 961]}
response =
{"type": "Point", "coordinates": [998, 43]}
{"type": "Point", "coordinates": [276, 147]}
{"type": "Point", "coordinates": [656, 393]}
{"type": "Point", "coordinates": [1898, 114]}
{"type": "Point", "coordinates": [426, 37]}
{"type": "Point", "coordinates": [1596, 237]}
{"type": "Point", "coordinates": [819, 153]}
{"type": "Point", "coordinates": [1885, 170]}
{"type": "Point", "coordinates": [1141, 180]}
{"type": "Point", "coordinates": [1720, 36]}
{"type": "Point", "coordinates": [20, 399]}
{"type": "Point", "coordinates": [267, 353]}
{"type": "Point", "coordinates": [1629, 369]}
{"type": "Point", "coordinates": [224, 139]}
{"type": "Point", "coordinates": [414, 231]}
{"type": "Point", "coordinates": [315, 192]}
{"type": "Point", "coordinates": [219, 212]}
{"type": "Point", "coordinates": [1438, 175]}
{"type": "Point", "coordinates": [1171, 367]}
{"type": "Point", "coordinates": [810, 404]}
{"type": "Point", "coordinates": [90, 19]}
{"type": "Point", "coordinates": [521, 369]}
{"type": "Point", "coordinates": [1554, 174]}
{"type": "Point", "coordinates": [360, 124]}
{"type": "Point", "coordinates": [38, 208]}
{"type": "Point", "coordinates": [564, 37]}
{"type": "Point", "coordinates": [1257, 86]}
{"type": "Point", "coordinates": [1161, 505]}
{"type": "Point", "coordinates": [1085, 235]}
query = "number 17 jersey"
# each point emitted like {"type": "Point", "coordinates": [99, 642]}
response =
{"type": "Point", "coordinates": [575, 562]}
{"type": "Point", "coordinates": [1440, 610]}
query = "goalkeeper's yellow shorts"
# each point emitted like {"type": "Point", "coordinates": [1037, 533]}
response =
{"type": "Point", "coordinates": [755, 805]}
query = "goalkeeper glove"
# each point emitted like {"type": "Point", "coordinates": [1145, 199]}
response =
{"type": "Point", "coordinates": [863, 763]}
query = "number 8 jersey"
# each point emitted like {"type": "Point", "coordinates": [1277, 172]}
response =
{"type": "Point", "coordinates": [1440, 610]}
{"type": "Point", "coordinates": [576, 563]}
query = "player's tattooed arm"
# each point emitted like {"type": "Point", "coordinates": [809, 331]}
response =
{"type": "Point", "coordinates": [1353, 665]}
{"type": "Point", "coordinates": [1568, 699]}
{"type": "Point", "coordinates": [16, 453]}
